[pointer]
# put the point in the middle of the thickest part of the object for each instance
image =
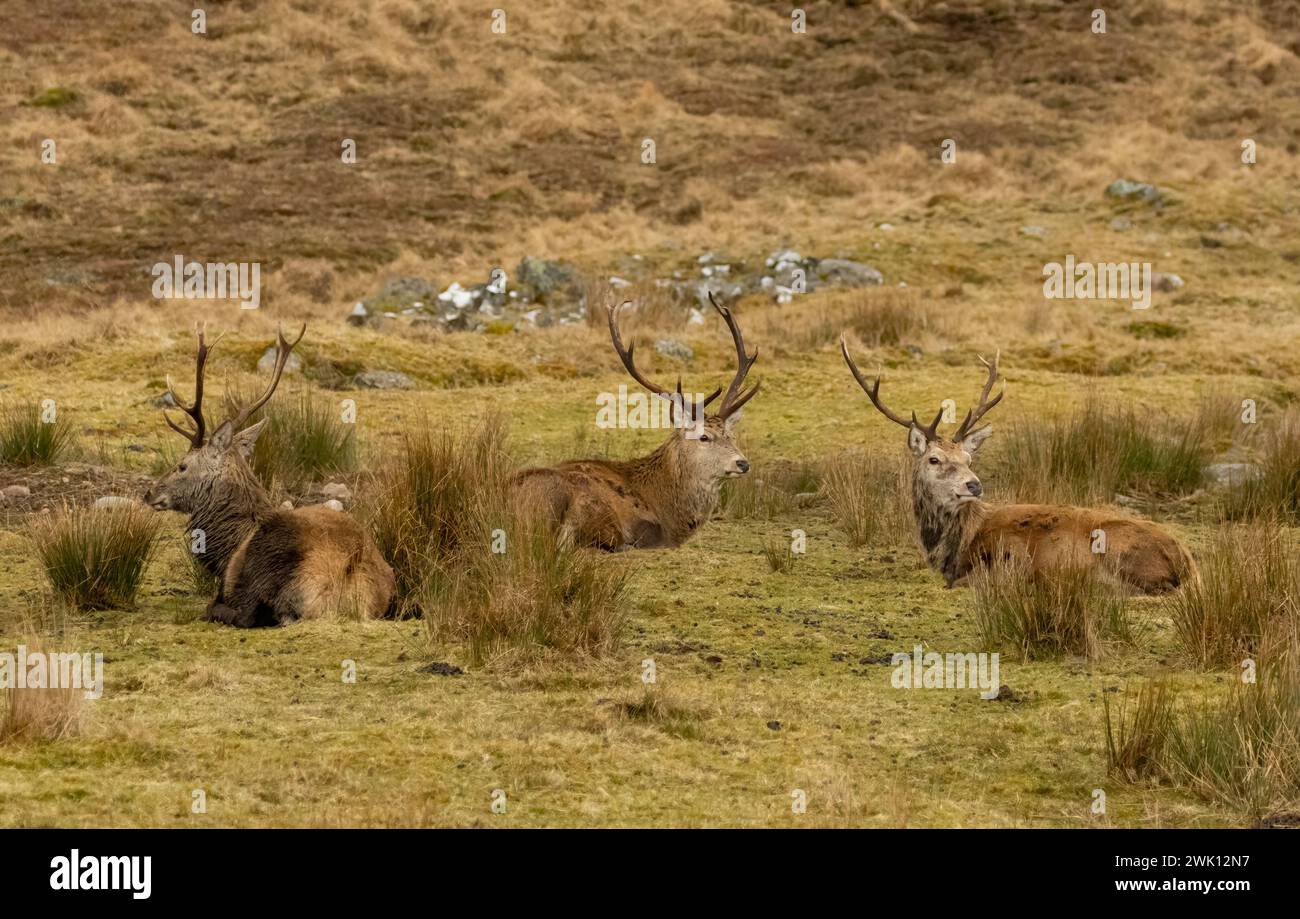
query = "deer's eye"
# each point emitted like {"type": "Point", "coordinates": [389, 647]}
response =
{"type": "Point", "coordinates": [934, 461]}
{"type": "Point", "coordinates": [705, 438]}
{"type": "Point", "coordinates": [180, 468]}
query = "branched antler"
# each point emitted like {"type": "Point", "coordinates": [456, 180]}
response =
{"type": "Point", "coordinates": [625, 354]}
{"type": "Point", "coordinates": [975, 414]}
{"type": "Point", "coordinates": [283, 347]}
{"type": "Point", "coordinates": [734, 399]}
{"type": "Point", "coordinates": [195, 409]}
{"type": "Point", "coordinates": [873, 393]}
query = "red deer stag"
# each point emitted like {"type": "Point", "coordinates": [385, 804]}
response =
{"type": "Point", "coordinates": [655, 501]}
{"type": "Point", "coordinates": [274, 565]}
{"type": "Point", "coordinates": [960, 532]}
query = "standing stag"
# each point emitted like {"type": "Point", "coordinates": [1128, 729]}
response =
{"type": "Point", "coordinates": [274, 565]}
{"type": "Point", "coordinates": [655, 501]}
{"type": "Point", "coordinates": [960, 532]}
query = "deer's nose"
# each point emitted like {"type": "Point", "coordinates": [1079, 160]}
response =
{"type": "Point", "coordinates": [742, 465]}
{"type": "Point", "coordinates": [974, 487]}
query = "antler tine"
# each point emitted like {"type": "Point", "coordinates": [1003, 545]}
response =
{"type": "Point", "coordinates": [195, 409]}
{"type": "Point", "coordinates": [734, 399]}
{"type": "Point", "coordinates": [625, 354]}
{"type": "Point", "coordinates": [283, 347]}
{"type": "Point", "coordinates": [873, 390]}
{"type": "Point", "coordinates": [974, 415]}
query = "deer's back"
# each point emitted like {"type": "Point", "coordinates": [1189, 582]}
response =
{"type": "Point", "coordinates": [315, 561]}
{"type": "Point", "coordinates": [1140, 552]}
{"type": "Point", "coordinates": [595, 500]}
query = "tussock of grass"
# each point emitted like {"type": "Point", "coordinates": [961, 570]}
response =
{"type": "Point", "coordinates": [538, 598]}
{"type": "Point", "coordinates": [1069, 610]}
{"type": "Point", "coordinates": [1103, 449]}
{"type": "Point", "coordinates": [779, 554]}
{"type": "Point", "coordinates": [96, 559]}
{"type": "Point", "coordinates": [28, 440]}
{"type": "Point", "coordinates": [1243, 752]}
{"type": "Point", "coordinates": [428, 502]}
{"type": "Point", "coordinates": [1249, 585]}
{"type": "Point", "coordinates": [1136, 742]}
{"type": "Point", "coordinates": [1275, 493]}
{"type": "Point", "coordinates": [33, 715]}
{"type": "Point", "coordinates": [304, 441]}
{"type": "Point", "coordinates": [653, 708]}
{"type": "Point", "coordinates": [868, 496]}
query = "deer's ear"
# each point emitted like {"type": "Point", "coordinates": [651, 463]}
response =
{"type": "Point", "coordinates": [246, 439]}
{"type": "Point", "coordinates": [916, 440]}
{"type": "Point", "coordinates": [732, 419]}
{"type": "Point", "coordinates": [221, 436]}
{"type": "Point", "coordinates": [972, 441]}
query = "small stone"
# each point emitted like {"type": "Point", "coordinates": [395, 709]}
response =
{"type": "Point", "coordinates": [16, 491]}
{"type": "Point", "coordinates": [286, 505]}
{"type": "Point", "coordinates": [383, 379]}
{"type": "Point", "coordinates": [359, 315]}
{"type": "Point", "coordinates": [1230, 473]}
{"type": "Point", "coordinates": [333, 504]}
{"type": "Point", "coordinates": [670, 347]}
{"type": "Point", "coordinates": [267, 362]}
{"type": "Point", "coordinates": [1166, 282]}
{"type": "Point", "coordinates": [847, 273]}
{"type": "Point", "coordinates": [111, 501]}
{"type": "Point", "coordinates": [1127, 189]}
{"type": "Point", "coordinates": [1036, 232]}
{"type": "Point", "coordinates": [336, 490]}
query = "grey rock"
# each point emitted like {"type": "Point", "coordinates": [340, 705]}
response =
{"type": "Point", "coordinates": [108, 502]}
{"type": "Point", "coordinates": [267, 362]}
{"type": "Point", "coordinates": [1166, 282]}
{"type": "Point", "coordinates": [670, 347]}
{"type": "Point", "coordinates": [333, 504]}
{"type": "Point", "coordinates": [1035, 232]}
{"type": "Point", "coordinates": [543, 279]}
{"type": "Point", "coordinates": [400, 293]}
{"type": "Point", "coordinates": [16, 491]}
{"type": "Point", "coordinates": [846, 273]}
{"type": "Point", "coordinates": [1230, 473]}
{"type": "Point", "coordinates": [336, 490]}
{"type": "Point", "coordinates": [1129, 190]}
{"type": "Point", "coordinates": [383, 379]}
{"type": "Point", "coordinates": [463, 321]}
{"type": "Point", "coordinates": [359, 315]}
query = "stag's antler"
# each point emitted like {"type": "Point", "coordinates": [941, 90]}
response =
{"type": "Point", "coordinates": [734, 399]}
{"type": "Point", "coordinates": [873, 393]}
{"type": "Point", "coordinates": [677, 399]}
{"type": "Point", "coordinates": [194, 410]}
{"type": "Point", "coordinates": [282, 349]}
{"type": "Point", "coordinates": [975, 414]}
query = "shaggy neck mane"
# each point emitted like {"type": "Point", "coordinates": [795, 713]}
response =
{"type": "Point", "coordinates": [946, 532]}
{"type": "Point", "coordinates": [232, 508]}
{"type": "Point", "coordinates": [680, 501]}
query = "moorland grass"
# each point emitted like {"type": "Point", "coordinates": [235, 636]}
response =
{"type": "Point", "coordinates": [1042, 615]}
{"type": "Point", "coordinates": [1248, 587]}
{"type": "Point", "coordinates": [96, 558]}
{"type": "Point", "coordinates": [29, 437]}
